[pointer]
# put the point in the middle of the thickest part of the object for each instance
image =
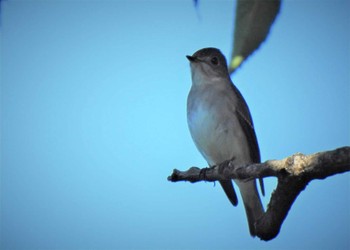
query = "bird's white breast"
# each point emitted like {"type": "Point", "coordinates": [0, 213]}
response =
{"type": "Point", "coordinates": [212, 122]}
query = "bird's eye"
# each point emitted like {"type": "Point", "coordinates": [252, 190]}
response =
{"type": "Point", "coordinates": [214, 61]}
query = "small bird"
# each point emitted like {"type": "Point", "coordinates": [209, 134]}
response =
{"type": "Point", "coordinates": [221, 125]}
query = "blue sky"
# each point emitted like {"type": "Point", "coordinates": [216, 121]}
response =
{"type": "Point", "coordinates": [93, 120]}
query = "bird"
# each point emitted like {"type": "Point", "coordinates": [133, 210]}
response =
{"type": "Point", "coordinates": [221, 126]}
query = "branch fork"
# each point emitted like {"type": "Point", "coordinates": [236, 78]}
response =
{"type": "Point", "coordinates": [293, 174]}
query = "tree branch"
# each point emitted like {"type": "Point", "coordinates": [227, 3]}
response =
{"type": "Point", "coordinates": [293, 174]}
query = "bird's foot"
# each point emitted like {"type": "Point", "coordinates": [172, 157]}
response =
{"type": "Point", "coordinates": [203, 173]}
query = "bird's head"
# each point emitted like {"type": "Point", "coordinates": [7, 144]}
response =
{"type": "Point", "coordinates": [208, 63]}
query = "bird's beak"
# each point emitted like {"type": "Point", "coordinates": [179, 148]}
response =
{"type": "Point", "coordinates": [192, 58]}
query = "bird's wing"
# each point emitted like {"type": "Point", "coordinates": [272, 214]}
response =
{"type": "Point", "coordinates": [246, 122]}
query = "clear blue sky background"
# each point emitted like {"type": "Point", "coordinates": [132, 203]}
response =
{"type": "Point", "coordinates": [93, 120]}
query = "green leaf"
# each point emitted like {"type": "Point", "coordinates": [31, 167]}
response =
{"type": "Point", "coordinates": [252, 25]}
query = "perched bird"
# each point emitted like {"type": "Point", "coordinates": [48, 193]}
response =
{"type": "Point", "coordinates": [221, 125]}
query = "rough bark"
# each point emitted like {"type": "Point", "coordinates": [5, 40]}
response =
{"type": "Point", "coordinates": [293, 174]}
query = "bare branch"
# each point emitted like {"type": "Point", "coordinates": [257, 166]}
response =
{"type": "Point", "coordinates": [293, 173]}
{"type": "Point", "coordinates": [315, 166]}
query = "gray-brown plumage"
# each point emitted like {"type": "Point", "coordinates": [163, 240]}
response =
{"type": "Point", "coordinates": [221, 125]}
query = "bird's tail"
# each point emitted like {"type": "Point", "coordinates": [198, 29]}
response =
{"type": "Point", "coordinates": [252, 203]}
{"type": "Point", "coordinates": [229, 191]}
